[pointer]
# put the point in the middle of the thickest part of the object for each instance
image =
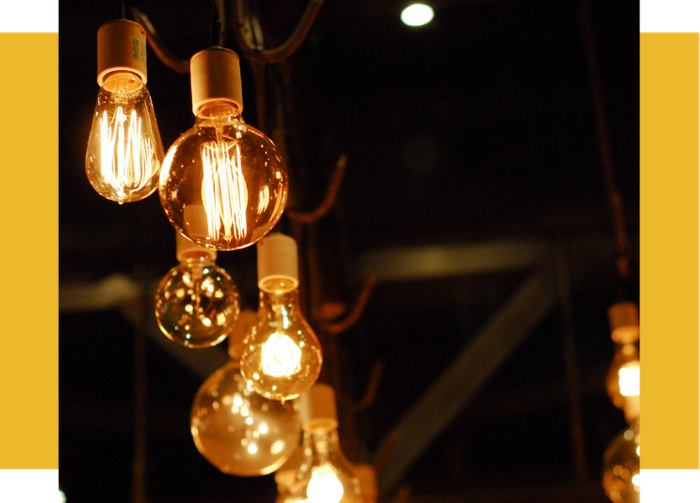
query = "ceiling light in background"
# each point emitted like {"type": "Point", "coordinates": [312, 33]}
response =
{"type": "Point", "coordinates": [234, 428]}
{"type": "Point", "coordinates": [222, 170]}
{"type": "Point", "coordinates": [124, 152]}
{"type": "Point", "coordinates": [281, 354]}
{"type": "Point", "coordinates": [197, 302]}
{"type": "Point", "coordinates": [417, 14]}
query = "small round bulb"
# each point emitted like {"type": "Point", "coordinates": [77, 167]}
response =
{"type": "Point", "coordinates": [621, 466]}
{"type": "Point", "coordinates": [197, 303]}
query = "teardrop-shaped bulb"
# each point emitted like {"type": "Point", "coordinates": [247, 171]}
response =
{"type": "Point", "coordinates": [125, 152]}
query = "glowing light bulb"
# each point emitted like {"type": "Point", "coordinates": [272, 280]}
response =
{"type": "Point", "coordinates": [223, 168]}
{"type": "Point", "coordinates": [124, 152]}
{"type": "Point", "coordinates": [622, 380]}
{"type": "Point", "coordinates": [324, 475]}
{"type": "Point", "coordinates": [281, 355]}
{"type": "Point", "coordinates": [621, 477]}
{"type": "Point", "coordinates": [417, 15]}
{"type": "Point", "coordinates": [197, 303]}
{"type": "Point", "coordinates": [237, 430]}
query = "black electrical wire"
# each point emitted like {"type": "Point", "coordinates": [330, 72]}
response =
{"type": "Point", "coordinates": [215, 26]}
{"type": "Point", "coordinates": [121, 10]}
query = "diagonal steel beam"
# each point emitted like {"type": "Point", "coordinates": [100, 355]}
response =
{"type": "Point", "coordinates": [468, 373]}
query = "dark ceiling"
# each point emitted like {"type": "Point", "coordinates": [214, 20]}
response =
{"type": "Point", "coordinates": [474, 194]}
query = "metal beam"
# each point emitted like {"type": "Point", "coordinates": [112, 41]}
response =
{"type": "Point", "coordinates": [123, 293]}
{"type": "Point", "coordinates": [397, 264]}
{"type": "Point", "coordinates": [470, 370]}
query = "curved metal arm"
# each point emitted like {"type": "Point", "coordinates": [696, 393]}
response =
{"type": "Point", "coordinates": [283, 51]}
{"type": "Point", "coordinates": [328, 199]}
{"type": "Point", "coordinates": [357, 310]}
{"type": "Point", "coordinates": [159, 47]}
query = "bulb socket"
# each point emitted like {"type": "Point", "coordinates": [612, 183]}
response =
{"type": "Point", "coordinates": [215, 76]}
{"type": "Point", "coordinates": [624, 322]}
{"type": "Point", "coordinates": [121, 46]}
{"type": "Point", "coordinates": [317, 409]}
{"type": "Point", "coordinates": [196, 225]}
{"type": "Point", "coordinates": [186, 249]}
{"type": "Point", "coordinates": [278, 265]}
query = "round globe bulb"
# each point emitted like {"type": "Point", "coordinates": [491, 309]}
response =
{"type": "Point", "coordinates": [124, 152]}
{"type": "Point", "coordinates": [237, 430]}
{"type": "Point", "coordinates": [621, 466]}
{"type": "Point", "coordinates": [230, 172]}
{"type": "Point", "coordinates": [197, 303]}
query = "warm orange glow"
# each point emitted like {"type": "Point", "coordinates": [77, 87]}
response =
{"type": "Point", "coordinates": [629, 379]}
{"type": "Point", "coordinates": [324, 485]}
{"type": "Point", "coordinates": [224, 191]}
{"type": "Point", "coordinates": [280, 356]}
{"type": "Point", "coordinates": [126, 156]}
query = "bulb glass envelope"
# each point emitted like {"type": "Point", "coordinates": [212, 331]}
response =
{"type": "Point", "coordinates": [621, 475]}
{"type": "Point", "coordinates": [222, 171]}
{"type": "Point", "coordinates": [239, 431]}
{"type": "Point", "coordinates": [197, 303]}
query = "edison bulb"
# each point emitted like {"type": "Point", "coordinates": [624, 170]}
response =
{"type": "Point", "coordinates": [197, 302]}
{"type": "Point", "coordinates": [621, 477]}
{"type": "Point", "coordinates": [239, 431]}
{"type": "Point", "coordinates": [281, 355]}
{"type": "Point", "coordinates": [622, 380]}
{"type": "Point", "coordinates": [325, 476]}
{"type": "Point", "coordinates": [124, 152]}
{"type": "Point", "coordinates": [223, 167]}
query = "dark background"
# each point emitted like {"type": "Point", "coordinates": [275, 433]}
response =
{"type": "Point", "coordinates": [475, 131]}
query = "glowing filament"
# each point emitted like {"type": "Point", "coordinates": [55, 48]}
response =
{"type": "Point", "coordinates": [324, 486]}
{"type": "Point", "coordinates": [264, 199]}
{"type": "Point", "coordinates": [629, 379]}
{"type": "Point", "coordinates": [224, 191]}
{"type": "Point", "coordinates": [126, 155]}
{"type": "Point", "coordinates": [280, 356]}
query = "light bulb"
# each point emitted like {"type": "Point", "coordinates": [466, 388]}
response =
{"type": "Point", "coordinates": [621, 476]}
{"type": "Point", "coordinates": [229, 172]}
{"type": "Point", "coordinates": [281, 355]}
{"type": "Point", "coordinates": [124, 152]}
{"type": "Point", "coordinates": [622, 380]}
{"type": "Point", "coordinates": [197, 303]}
{"type": "Point", "coordinates": [325, 476]}
{"type": "Point", "coordinates": [237, 430]}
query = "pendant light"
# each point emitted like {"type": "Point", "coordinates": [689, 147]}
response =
{"type": "Point", "coordinates": [222, 170]}
{"type": "Point", "coordinates": [281, 355]}
{"type": "Point", "coordinates": [124, 152]}
{"type": "Point", "coordinates": [197, 302]}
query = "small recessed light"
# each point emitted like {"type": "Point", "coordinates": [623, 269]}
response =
{"type": "Point", "coordinates": [417, 14]}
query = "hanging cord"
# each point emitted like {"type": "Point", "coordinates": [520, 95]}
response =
{"type": "Point", "coordinates": [615, 198]}
{"type": "Point", "coordinates": [285, 50]}
{"type": "Point", "coordinates": [215, 28]}
{"type": "Point", "coordinates": [121, 10]}
{"type": "Point", "coordinates": [157, 44]}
